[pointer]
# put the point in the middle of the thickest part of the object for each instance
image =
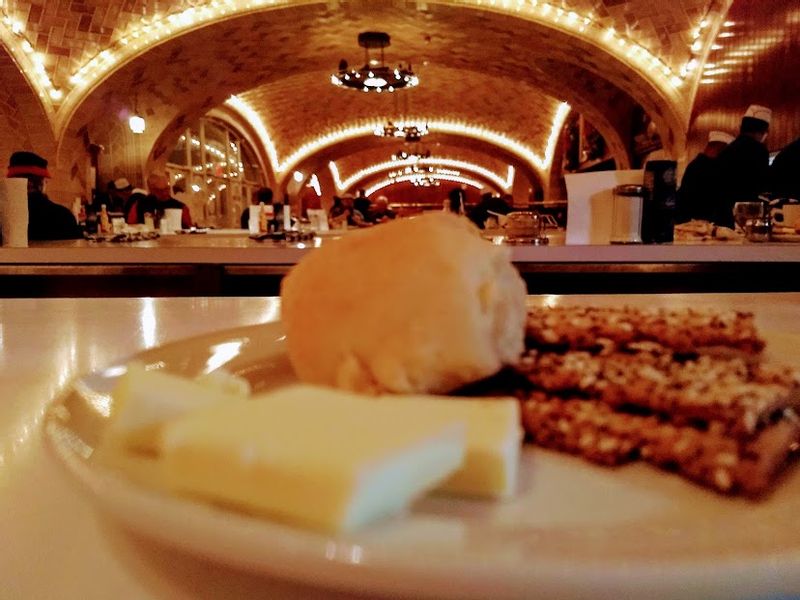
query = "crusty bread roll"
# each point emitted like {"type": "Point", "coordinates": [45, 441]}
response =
{"type": "Point", "coordinates": [415, 305]}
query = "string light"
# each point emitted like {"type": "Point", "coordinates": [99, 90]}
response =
{"type": "Point", "coordinates": [32, 63]}
{"type": "Point", "coordinates": [140, 36]}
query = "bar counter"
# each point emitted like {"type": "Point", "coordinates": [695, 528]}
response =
{"type": "Point", "coordinates": [57, 544]}
{"type": "Point", "coordinates": [229, 263]}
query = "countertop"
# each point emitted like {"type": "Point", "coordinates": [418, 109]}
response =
{"type": "Point", "coordinates": [55, 545]}
{"type": "Point", "coordinates": [235, 247]}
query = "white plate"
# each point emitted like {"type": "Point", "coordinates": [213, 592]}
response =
{"type": "Point", "coordinates": [573, 530]}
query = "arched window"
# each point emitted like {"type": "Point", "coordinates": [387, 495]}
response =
{"type": "Point", "coordinates": [214, 169]}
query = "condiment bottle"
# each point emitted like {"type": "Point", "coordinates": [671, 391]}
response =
{"type": "Point", "coordinates": [262, 218]}
{"type": "Point", "coordinates": [105, 223]}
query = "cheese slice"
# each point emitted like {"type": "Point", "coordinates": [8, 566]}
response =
{"type": "Point", "coordinates": [494, 438]}
{"type": "Point", "coordinates": [305, 459]}
{"type": "Point", "coordinates": [493, 430]}
{"type": "Point", "coordinates": [144, 400]}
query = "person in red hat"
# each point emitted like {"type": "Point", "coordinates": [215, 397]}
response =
{"type": "Point", "coordinates": [46, 219]}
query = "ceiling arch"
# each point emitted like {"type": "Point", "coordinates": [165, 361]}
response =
{"type": "Point", "coordinates": [321, 28]}
{"type": "Point", "coordinates": [184, 76]}
{"type": "Point", "coordinates": [500, 182]}
{"type": "Point", "coordinates": [647, 35]}
{"type": "Point", "coordinates": [358, 153]}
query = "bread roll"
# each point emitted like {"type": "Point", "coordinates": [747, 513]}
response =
{"type": "Point", "coordinates": [419, 305]}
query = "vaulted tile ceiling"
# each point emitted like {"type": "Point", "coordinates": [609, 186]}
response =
{"type": "Point", "coordinates": [500, 67]}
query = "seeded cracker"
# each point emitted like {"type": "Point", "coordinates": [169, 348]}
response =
{"type": "Point", "coordinates": [684, 390]}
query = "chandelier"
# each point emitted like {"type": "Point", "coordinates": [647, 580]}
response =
{"type": "Point", "coordinates": [412, 132]}
{"type": "Point", "coordinates": [403, 155]}
{"type": "Point", "coordinates": [375, 75]}
{"type": "Point", "coordinates": [420, 176]}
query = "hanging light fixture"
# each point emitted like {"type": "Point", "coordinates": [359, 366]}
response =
{"type": "Point", "coordinates": [375, 75]}
{"type": "Point", "coordinates": [412, 132]}
{"type": "Point", "coordinates": [136, 121]}
{"type": "Point", "coordinates": [404, 155]}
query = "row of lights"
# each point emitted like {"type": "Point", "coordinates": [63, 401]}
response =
{"type": "Point", "coordinates": [28, 52]}
{"type": "Point", "coordinates": [435, 176]}
{"type": "Point", "coordinates": [699, 44]}
{"type": "Point", "coordinates": [540, 162]}
{"type": "Point", "coordinates": [501, 183]}
{"type": "Point", "coordinates": [142, 35]}
{"type": "Point", "coordinates": [743, 53]}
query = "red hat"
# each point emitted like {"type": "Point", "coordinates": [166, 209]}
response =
{"type": "Point", "coordinates": [22, 164]}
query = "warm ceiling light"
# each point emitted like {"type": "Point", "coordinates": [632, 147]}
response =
{"type": "Point", "coordinates": [411, 156]}
{"type": "Point", "coordinates": [434, 176]}
{"type": "Point", "coordinates": [412, 132]}
{"type": "Point", "coordinates": [137, 123]}
{"type": "Point", "coordinates": [374, 75]}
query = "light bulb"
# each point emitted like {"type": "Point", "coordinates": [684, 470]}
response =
{"type": "Point", "coordinates": [137, 124]}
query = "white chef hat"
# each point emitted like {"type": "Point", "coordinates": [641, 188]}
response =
{"type": "Point", "coordinates": [720, 136]}
{"type": "Point", "coordinates": [761, 113]}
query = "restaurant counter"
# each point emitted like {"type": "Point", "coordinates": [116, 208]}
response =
{"type": "Point", "coordinates": [232, 264]}
{"type": "Point", "coordinates": [58, 546]}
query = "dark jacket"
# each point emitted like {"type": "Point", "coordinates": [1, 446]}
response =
{"type": "Point", "coordinates": [785, 172]}
{"type": "Point", "coordinates": [743, 169]}
{"type": "Point", "coordinates": [696, 196]}
{"type": "Point", "coordinates": [50, 221]}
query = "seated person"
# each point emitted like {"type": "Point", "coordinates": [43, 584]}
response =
{"type": "Point", "coordinates": [119, 193]}
{"type": "Point", "coordinates": [157, 202]}
{"type": "Point", "coordinates": [380, 212]}
{"type": "Point", "coordinates": [339, 214]}
{"type": "Point", "coordinates": [480, 213]}
{"type": "Point", "coordinates": [46, 219]}
{"type": "Point", "coordinates": [261, 195]}
{"type": "Point", "coordinates": [360, 215]}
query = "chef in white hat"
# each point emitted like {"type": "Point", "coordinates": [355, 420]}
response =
{"type": "Point", "coordinates": [697, 192]}
{"type": "Point", "coordinates": [744, 165]}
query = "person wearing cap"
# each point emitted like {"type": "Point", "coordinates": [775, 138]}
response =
{"type": "Point", "coordinates": [743, 167]}
{"type": "Point", "coordinates": [784, 173]}
{"type": "Point", "coordinates": [119, 193]}
{"type": "Point", "coordinates": [697, 192]}
{"type": "Point", "coordinates": [47, 220]}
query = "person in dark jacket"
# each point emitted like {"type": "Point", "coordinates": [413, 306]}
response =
{"type": "Point", "coordinates": [743, 167]}
{"type": "Point", "coordinates": [698, 187]}
{"type": "Point", "coordinates": [784, 173]}
{"type": "Point", "coordinates": [47, 220]}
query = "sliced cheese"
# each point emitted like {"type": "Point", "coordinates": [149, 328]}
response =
{"type": "Point", "coordinates": [145, 399]}
{"type": "Point", "coordinates": [302, 458]}
{"type": "Point", "coordinates": [494, 434]}
{"type": "Point", "coordinates": [494, 437]}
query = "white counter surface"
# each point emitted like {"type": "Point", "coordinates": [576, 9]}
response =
{"type": "Point", "coordinates": [239, 249]}
{"type": "Point", "coordinates": [54, 544]}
